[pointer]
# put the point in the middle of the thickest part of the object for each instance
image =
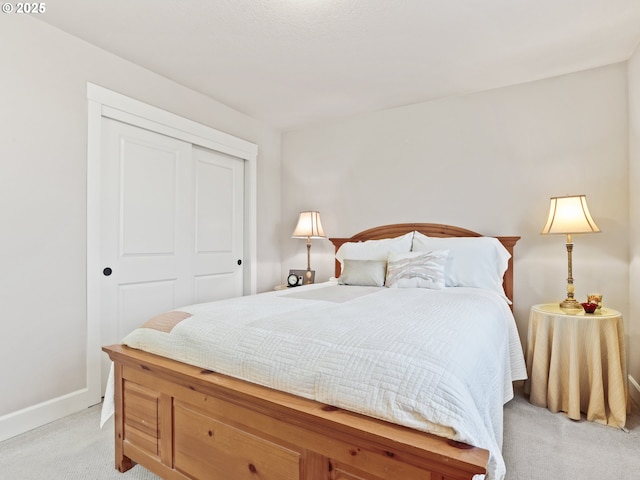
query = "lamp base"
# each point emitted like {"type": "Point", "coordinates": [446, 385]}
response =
{"type": "Point", "coordinates": [308, 278]}
{"type": "Point", "coordinates": [570, 304]}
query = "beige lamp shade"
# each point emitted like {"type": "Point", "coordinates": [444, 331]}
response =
{"type": "Point", "coordinates": [309, 226]}
{"type": "Point", "coordinates": [568, 215]}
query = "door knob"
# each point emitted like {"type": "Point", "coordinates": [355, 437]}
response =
{"type": "Point", "coordinates": [107, 271]}
{"type": "Point", "coordinates": [239, 262]}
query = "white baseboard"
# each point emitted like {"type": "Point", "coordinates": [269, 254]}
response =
{"type": "Point", "coordinates": [634, 390]}
{"type": "Point", "coordinates": [21, 421]}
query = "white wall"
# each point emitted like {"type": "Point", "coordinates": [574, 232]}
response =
{"type": "Point", "coordinates": [633, 320]}
{"type": "Point", "coordinates": [488, 162]}
{"type": "Point", "coordinates": [43, 155]}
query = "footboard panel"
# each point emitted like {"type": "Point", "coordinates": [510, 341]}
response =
{"type": "Point", "coordinates": [182, 422]}
{"type": "Point", "coordinates": [208, 448]}
{"type": "Point", "coordinates": [142, 415]}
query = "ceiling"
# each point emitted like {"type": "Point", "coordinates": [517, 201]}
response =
{"type": "Point", "coordinates": [291, 63]}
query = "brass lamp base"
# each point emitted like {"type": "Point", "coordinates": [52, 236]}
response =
{"type": "Point", "coordinates": [308, 278]}
{"type": "Point", "coordinates": [570, 304]}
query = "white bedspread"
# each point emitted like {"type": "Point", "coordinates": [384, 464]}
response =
{"type": "Point", "coordinates": [440, 361]}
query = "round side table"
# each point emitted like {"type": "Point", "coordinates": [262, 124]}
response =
{"type": "Point", "coordinates": [576, 363]}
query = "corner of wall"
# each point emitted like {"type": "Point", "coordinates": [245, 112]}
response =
{"type": "Point", "coordinates": [633, 321]}
{"type": "Point", "coordinates": [634, 390]}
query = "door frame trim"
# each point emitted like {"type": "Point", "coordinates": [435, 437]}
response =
{"type": "Point", "coordinates": [107, 103]}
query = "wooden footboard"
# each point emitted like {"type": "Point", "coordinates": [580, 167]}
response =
{"type": "Point", "coordinates": [182, 422]}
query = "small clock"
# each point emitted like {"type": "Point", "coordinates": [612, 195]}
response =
{"type": "Point", "coordinates": [294, 280]}
{"type": "Point", "coordinates": [300, 277]}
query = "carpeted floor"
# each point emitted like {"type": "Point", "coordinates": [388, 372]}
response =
{"type": "Point", "coordinates": [538, 445]}
{"type": "Point", "coordinates": [541, 445]}
{"type": "Point", "coordinates": [73, 448]}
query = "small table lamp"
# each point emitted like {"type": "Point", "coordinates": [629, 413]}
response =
{"type": "Point", "coordinates": [569, 215]}
{"type": "Point", "coordinates": [309, 226]}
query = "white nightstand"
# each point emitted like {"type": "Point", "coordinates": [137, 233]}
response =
{"type": "Point", "coordinates": [576, 363]}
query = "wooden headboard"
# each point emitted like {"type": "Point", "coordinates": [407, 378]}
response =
{"type": "Point", "coordinates": [431, 230]}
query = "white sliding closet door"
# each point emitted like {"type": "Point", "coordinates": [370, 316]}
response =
{"type": "Point", "coordinates": [219, 207]}
{"type": "Point", "coordinates": [171, 226]}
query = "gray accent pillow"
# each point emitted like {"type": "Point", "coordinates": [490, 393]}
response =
{"type": "Point", "coordinates": [368, 273]}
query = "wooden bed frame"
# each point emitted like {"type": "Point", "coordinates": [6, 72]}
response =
{"type": "Point", "coordinates": [182, 422]}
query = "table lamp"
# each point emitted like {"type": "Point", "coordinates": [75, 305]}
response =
{"type": "Point", "coordinates": [309, 226]}
{"type": "Point", "coordinates": [569, 215]}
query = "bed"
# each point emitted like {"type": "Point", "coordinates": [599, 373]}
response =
{"type": "Point", "coordinates": [202, 416]}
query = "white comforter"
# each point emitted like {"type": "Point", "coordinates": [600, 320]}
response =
{"type": "Point", "coordinates": [440, 361]}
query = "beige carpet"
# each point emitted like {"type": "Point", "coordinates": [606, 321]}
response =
{"type": "Point", "coordinates": [538, 445]}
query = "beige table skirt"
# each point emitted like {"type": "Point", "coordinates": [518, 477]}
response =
{"type": "Point", "coordinates": [576, 363]}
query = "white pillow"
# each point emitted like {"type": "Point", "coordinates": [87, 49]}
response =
{"type": "Point", "coordinates": [478, 262]}
{"type": "Point", "coordinates": [369, 273]}
{"type": "Point", "coordinates": [416, 269]}
{"type": "Point", "coordinates": [374, 249]}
